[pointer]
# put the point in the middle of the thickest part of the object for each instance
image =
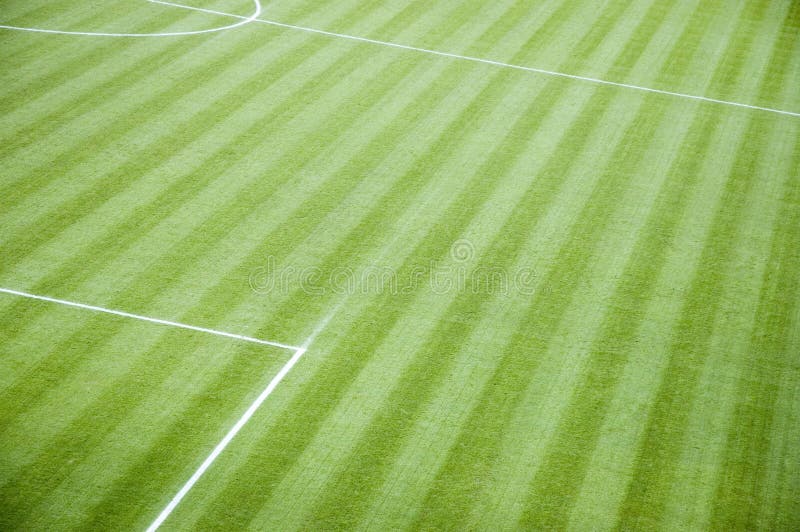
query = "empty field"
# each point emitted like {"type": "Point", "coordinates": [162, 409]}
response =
{"type": "Point", "coordinates": [541, 259]}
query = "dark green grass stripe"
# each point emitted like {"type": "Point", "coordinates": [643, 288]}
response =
{"type": "Point", "coordinates": [660, 449]}
{"type": "Point", "coordinates": [739, 503]}
{"type": "Point", "coordinates": [366, 466]}
{"type": "Point", "coordinates": [558, 481]}
{"type": "Point", "coordinates": [729, 67]}
{"type": "Point", "coordinates": [75, 271]}
{"type": "Point", "coordinates": [477, 444]}
{"type": "Point", "coordinates": [519, 14]}
{"type": "Point", "coordinates": [785, 48]}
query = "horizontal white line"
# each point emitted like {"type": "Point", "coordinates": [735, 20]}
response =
{"type": "Point", "coordinates": [496, 63]}
{"type": "Point", "coordinates": [148, 319]}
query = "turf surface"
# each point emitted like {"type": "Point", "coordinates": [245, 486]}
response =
{"type": "Point", "coordinates": [541, 302]}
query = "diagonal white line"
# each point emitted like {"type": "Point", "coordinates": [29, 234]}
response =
{"type": "Point", "coordinates": [148, 319]}
{"type": "Point", "coordinates": [494, 63]}
{"type": "Point", "coordinates": [225, 441]}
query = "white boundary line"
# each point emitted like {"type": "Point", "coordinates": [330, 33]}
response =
{"type": "Point", "coordinates": [298, 353]}
{"type": "Point", "coordinates": [225, 441]}
{"type": "Point", "coordinates": [148, 319]}
{"type": "Point", "coordinates": [245, 20]}
{"type": "Point", "coordinates": [494, 63]}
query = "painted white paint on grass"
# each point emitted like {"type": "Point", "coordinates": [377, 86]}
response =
{"type": "Point", "coordinates": [497, 63]}
{"type": "Point", "coordinates": [251, 410]}
{"type": "Point", "coordinates": [148, 319]}
{"type": "Point", "coordinates": [299, 352]}
{"type": "Point", "coordinates": [226, 440]}
{"type": "Point", "coordinates": [244, 20]}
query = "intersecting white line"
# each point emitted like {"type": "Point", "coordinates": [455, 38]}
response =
{"type": "Point", "coordinates": [298, 352]}
{"type": "Point", "coordinates": [490, 62]}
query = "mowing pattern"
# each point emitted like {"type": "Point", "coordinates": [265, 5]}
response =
{"type": "Point", "coordinates": [612, 332]}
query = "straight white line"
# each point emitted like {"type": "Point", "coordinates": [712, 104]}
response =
{"type": "Point", "coordinates": [226, 440]}
{"type": "Point", "coordinates": [495, 63]}
{"type": "Point", "coordinates": [148, 319]}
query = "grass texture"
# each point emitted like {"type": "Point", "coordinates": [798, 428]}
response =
{"type": "Point", "coordinates": [547, 303]}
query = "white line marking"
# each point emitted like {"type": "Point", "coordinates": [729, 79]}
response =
{"type": "Point", "coordinates": [245, 20]}
{"type": "Point", "coordinates": [226, 440]}
{"type": "Point", "coordinates": [298, 353]}
{"type": "Point", "coordinates": [148, 319]}
{"type": "Point", "coordinates": [496, 63]}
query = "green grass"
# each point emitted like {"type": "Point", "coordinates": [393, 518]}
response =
{"type": "Point", "coordinates": [644, 376]}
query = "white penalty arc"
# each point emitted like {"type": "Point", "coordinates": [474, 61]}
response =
{"type": "Point", "coordinates": [242, 22]}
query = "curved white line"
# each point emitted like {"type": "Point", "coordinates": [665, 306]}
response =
{"type": "Point", "coordinates": [245, 20]}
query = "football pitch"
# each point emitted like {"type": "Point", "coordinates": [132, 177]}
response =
{"type": "Point", "coordinates": [372, 264]}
